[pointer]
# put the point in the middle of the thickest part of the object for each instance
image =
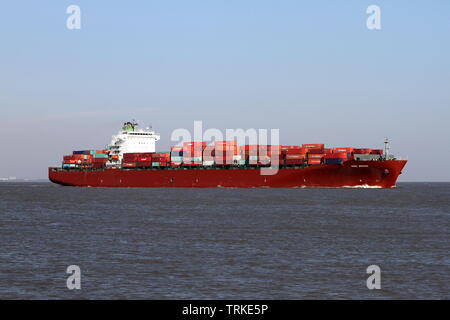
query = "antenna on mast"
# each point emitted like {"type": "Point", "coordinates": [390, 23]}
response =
{"type": "Point", "coordinates": [386, 147]}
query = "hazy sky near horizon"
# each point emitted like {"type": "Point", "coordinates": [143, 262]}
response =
{"type": "Point", "coordinates": [310, 68]}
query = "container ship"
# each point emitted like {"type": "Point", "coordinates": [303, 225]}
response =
{"type": "Point", "coordinates": [131, 161]}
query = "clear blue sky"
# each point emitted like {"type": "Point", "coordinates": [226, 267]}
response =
{"type": "Point", "coordinates": [310, 68]}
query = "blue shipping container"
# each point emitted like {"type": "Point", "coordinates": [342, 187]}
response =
{"type": "Point", "coordinates": [333, 161]}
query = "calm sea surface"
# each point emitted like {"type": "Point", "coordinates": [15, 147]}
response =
{"type": "Point", "coordinates": [224, 243]}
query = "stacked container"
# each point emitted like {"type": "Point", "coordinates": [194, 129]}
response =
{"type": "Point", "coordinates": [308, 146]}
{"type": "Point", "coordinates": [362, 151]}
{"type": "Point", "coordinates": [225, 152]}
{"type": "Point", "coordinates": [193, 153]}
{"type": "Point", "coordinates": [176, 156]}
{"type": "Point", "coordinates": [208, 155]}
{"type": "Point", "coordinates": [160, 159]}
{"type": "Point", "coordinates": [293, 155]}
{"type": "Point", "coordinates": [335, 158]}
{"type": "Point", "coordinates": [137, 159]}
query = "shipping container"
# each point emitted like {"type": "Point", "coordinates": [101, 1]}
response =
{"type": "Point", "coordinates": [193, 148]}
{"type": "Point", "coordinates": [314, 161]}
{"type": "Point", "coordinates": [71, 161]}
{"type": "Point", "coordinates": [315, 156]}
{"type": "Point", "coordinates": [336, 155]}
{"type": "Point", "coordinates": [295, 156]}
{"type": "Point", "coordinates": [285, 148]}
{"type": "Point", "coordinates": [86, 152]}
{"type": "Point", "coordinates": [333, 160]}
{"type": "Point", "coordinates": [192, 164]}
{"type": "Point", "coordinates": [100, 155]}
{"type": "Point", "coordinates": [128, 164]}
{"type": "Point", "coordinates": [225, 143]}
{"type": "Point", "coordinates": [294, 151]}
{"type": "Point", "coordinates": [176, 153]}
{"type": "Point", "coordinates": [362, 151]}
{"type": "Point", "coordinates": [315, 151]}
{"type": "Point", "coordinates": [367, 157]}
{"type": "Point", "coordinates": [313, 146]}
{"type": "Point", "coordinates": [208, 152]}
{"type": "Point", "coordinates": [144, 163]}
{"type": "Point", "coordinates": [346, 150]}
{"type": "Point", "coordinates": [293, 161]}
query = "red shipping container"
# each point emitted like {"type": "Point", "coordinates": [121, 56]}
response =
{"type": "Point", "coordinates": [192, 164]}
{"type": "Point", "coordinates": [290, 147]}
{"type": "Point", "coordinates": [175, 163]}
{"type": "Point", "coordinates": [362, 151]}
{"type": "Point", "coordinates": [70, 161]}
{"type": "Point", "coordinates": [315, 156]}
{"type": "Point", "coordinates": [295, 151]}
{"type": "Point", "coordinates": [314, 161]}
{"type": "Point", "coordinates": [76, 157]}
{"type": "Point", "coordinates": [337, 155]}
{"type": "Point", "coordinates": [253, 146]}
{"type": "Point", "coordinates": [129, 164]}
{"type": "Point", "coordinates": [223, 153]}
{"type": "Point", "coordinates": [274, 151]}
{"type": "Point", "coordinates": [315, 151]}
{"type": "Point", "coordinates": [225, 143]}
{"type": "Point", "coordinates": [138, 154]}
{"type": "Point", "coordinates": [377, 151]}
{"type": "Point", "coordinates": [293, 161]}
{"type": "Point", "coordinates": [295, 156]}
{"type": "Point", "coordinates": [313, 146]}
{"type": "Point", "coordinates": [144, 163]}
{"type": "Point", "coordinates": [160, 155]}
{"type": "Point", "coordinates": [208, 152]}
{"type": "Point", "coordinates": [194, 143]}
{"type": "Point", "coordinates": [159, 159]}
{"type": "Point", "coordinates": [346, 150]}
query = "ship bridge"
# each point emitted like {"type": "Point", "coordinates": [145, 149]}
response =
{"type": "Point", "coordinates": [131, 139]}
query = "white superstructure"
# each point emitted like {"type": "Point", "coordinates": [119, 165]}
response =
{"type": "Point", "coordinates": [130, 140]}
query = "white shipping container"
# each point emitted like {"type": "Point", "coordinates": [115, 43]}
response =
{"type": "Point", "coordinates": [208, 163]}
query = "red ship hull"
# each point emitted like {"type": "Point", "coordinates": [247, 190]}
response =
{"type": "Point", "coordinates": [382, 174]}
